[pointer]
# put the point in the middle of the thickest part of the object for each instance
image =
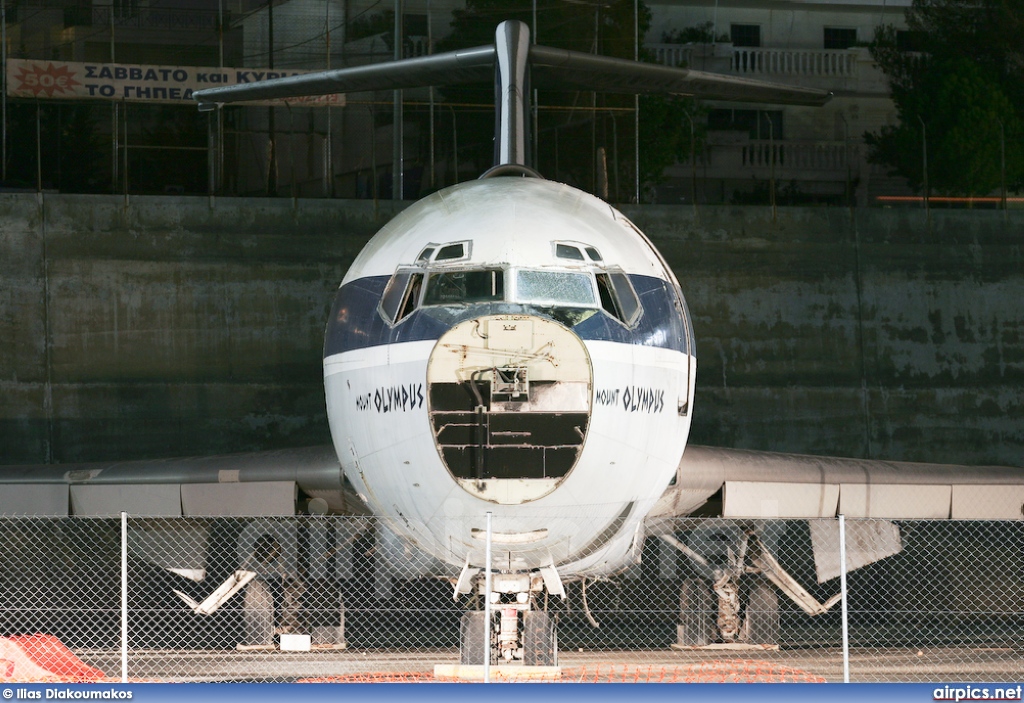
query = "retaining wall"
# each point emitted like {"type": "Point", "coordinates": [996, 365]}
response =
{"type": "Point", "coordinates": [170, 326]}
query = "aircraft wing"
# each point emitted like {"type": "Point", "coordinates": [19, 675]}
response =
{"type": "Point", "coordinates": [257, 483]}
{"type": "Point", "coordinates": [755, 488]}
{"type": "Point", "coordinates": [552, 68]}
{"type": "Point", "coordinates": [738, 483]}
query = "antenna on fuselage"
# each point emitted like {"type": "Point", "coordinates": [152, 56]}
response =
{"type": "Point", "coordinates": [518, 63]}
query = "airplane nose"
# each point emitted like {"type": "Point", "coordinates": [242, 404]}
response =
{"type": "Point", "coordinates": [509, 399]}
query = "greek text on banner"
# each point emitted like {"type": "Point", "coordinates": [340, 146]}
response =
{"type": "Point", "coordinates": [69, 80]}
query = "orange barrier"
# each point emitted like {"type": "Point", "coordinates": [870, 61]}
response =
{"type": "Point", "coordinates": [732, 671]}
{"type": "Point", "coordinates": [42, 658]}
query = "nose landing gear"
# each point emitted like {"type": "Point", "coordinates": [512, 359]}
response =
{"type": "Point", "coordinates": [519, 636]}
{"type": "Point", "coordinates": [518, 633]}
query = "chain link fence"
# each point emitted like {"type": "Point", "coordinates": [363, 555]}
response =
{"type": "Point", "coordinates": [341, 599]}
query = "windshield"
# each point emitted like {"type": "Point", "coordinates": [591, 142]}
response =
{"type": "Point", "coordinates": [464, 287]}
{"type": "Point", "coordinates": [555, 288]}
{"type": "Point", "coordinates": [569, 296]}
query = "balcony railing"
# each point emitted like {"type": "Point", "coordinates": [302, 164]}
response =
{"type": "Point", "coordinates": [799, 155]}
{"type": "Point", "coordinates": [671, 54]}
{"type": "Point", "coordinates": [725, 58]}
{"type": "Point", "coordinates": [787, 62]}
{"type": "Point", "coordinates": [795, 159]}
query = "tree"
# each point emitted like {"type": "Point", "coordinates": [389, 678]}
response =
{"type": "Point", "coordinates": [985, 32]}
{"type": "Point", "coordinates": [964, 91]}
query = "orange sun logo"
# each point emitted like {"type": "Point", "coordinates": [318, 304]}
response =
{"type": "Point", "coordinates": [46, 82]}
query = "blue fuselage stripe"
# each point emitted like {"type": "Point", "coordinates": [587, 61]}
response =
{"type": "Point", "coordinates": [356, 323]}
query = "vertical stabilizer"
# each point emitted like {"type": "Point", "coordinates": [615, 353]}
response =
{"type": "Point", "coordinates": [512, 49]}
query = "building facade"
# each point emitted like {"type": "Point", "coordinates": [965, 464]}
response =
{"type": "Point", "coordinates": [810, 154]}
{"type": "Point", "coordinates": [751, 152]}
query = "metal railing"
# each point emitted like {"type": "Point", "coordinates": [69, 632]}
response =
{"type": "Point", "coordinates": [794, 62]}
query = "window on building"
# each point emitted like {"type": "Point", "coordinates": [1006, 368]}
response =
{"type": "Point", "coordinates": [754, 122]}
{"type": "Point", "coordinates": [125, 9]}
{"type": "Point", "coordinates": [415, 25]}
{"type": "Point", "coordinates": [840, 37]}
{"type": "Point", "coordinates": [745, 34]}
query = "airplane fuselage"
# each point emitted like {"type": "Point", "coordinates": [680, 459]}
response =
{"type": "Point", "coordinates": [517, 347]}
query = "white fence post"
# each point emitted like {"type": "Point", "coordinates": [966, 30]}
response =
{"type": "Point", "coordinates": [487, 604]}
{"type": "Point", "coordinates": [842, 582]}
{"type": "Point", "coordinates": [124, 597]}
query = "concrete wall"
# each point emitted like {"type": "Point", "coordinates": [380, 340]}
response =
{"type": "Point", "coordinates": [170, 327]}
{"type": "Point", "coordinates": [888, 336]}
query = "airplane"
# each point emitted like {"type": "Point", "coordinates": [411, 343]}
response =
{"type": "Point", "coordinates": [509, 371]}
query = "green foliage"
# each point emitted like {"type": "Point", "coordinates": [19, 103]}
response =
{"type": "Point", "coordinates": [698, 34]}
{"type": "Point", "coordinates": [964, 93]}
{"type": "Point", "coordinates": [665, 136]}
{"type": "Point", "coordinates": [986, 32]}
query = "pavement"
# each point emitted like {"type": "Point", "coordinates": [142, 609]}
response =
{"type": "Point", "coordinates": [945, 665]}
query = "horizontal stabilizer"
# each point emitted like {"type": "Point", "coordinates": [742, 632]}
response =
{"type": "Point", "coordinates": [450, 68]}
{"type": "Point", "coordinates": [574, 70]}
{"type": "Point", "coordinates": [552, 68]}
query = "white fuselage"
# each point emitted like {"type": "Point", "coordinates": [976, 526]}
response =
{"type": "Point", "coordinates": [517, 347]}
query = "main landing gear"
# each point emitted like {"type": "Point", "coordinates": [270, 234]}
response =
{"type": "Point", "coordinates": [721, 608]}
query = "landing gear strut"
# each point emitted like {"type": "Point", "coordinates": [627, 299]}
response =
{"type": "Point", "coordinates": [753, 623]}
{"type": "Point", "coordinates": [715, 609]}
{"type": "Point", "coordinates": [525, 637]}
{"type": "Point", "coordinates": [519, 633]}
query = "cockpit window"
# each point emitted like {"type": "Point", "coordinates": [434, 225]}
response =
{"type": "Point", "coordinates": [452, 287]}
{"type": "Point", "coordinates": [594, 254]}
{"type": "Point", "coordinates": [555, 288]}
{"type": "Point", "coordinates": [618, 297]}
{"type": "Point", "coordinates": [568, 251]}
{"type": "Point", "coordinates": [401, 296]}
{"type": "Point", "coordinates": [570, 296]}
{"type": "Point", "coordinates": [451, 252]}
{"type": "Point", "coordinates": [425, 254]}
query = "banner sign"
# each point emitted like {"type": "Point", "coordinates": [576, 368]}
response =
{"type": "Point", "coordinates": [69, 80]}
